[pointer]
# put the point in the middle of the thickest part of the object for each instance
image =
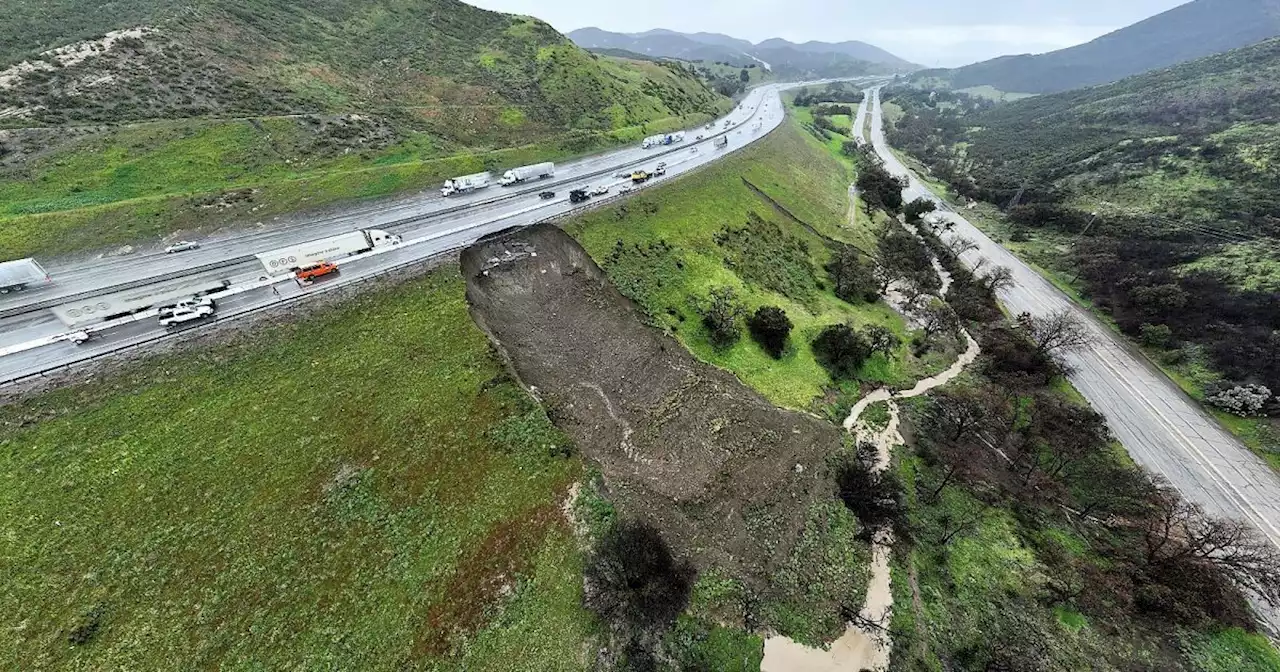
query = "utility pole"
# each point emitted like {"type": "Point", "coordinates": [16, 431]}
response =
{"type": "Point", "coordinates": [1093, 217]}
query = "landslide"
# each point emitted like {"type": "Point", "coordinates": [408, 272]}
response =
{"type": "Point", "coordinates": [723, 473]}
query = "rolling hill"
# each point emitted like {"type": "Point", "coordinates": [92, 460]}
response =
{"type": "Point", "coordinates": [160, 104]}
{"type": "Point", "coordinates": [785, 58]}
{"type": "Point", "coordinates": [1184, 33]}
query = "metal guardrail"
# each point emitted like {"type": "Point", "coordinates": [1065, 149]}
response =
{"type": "Point", "coordinates": [593, 204]}
{"type": "Point", "coordinates": [533, 188]}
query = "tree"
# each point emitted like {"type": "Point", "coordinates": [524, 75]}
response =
{"type": "Point", "coordinates": [937, 319]}
{"type": "Point", "coordinates": [871, 496]}
{"type": "Point", "coordinates": [632, 580]}
{"type": "Point", "coordinates": [744, 76]}
{"type": "Point", "coordinates": [901, 257]}
{"type": "Point", "coordinates": [881, 339]}
{"type": "Point", "coordinates": [996, 279]}
{"type": "Point", "coordinates": [854, 281]}
{"type": "Point", "coordinates": [841, 350]}
{"type": "Point", "coordinates": [1055, 333]}
{"type": "Point", "coordinates": [917, 209]}
{"type": "Point", "coordinates": [880, 190]}
{"type": "Point", "coordinates": [1155, 335]}
{"type": "Point", "coordinates": [721, 315]}
{"type": "Point", "coordinates": [1179, 531]}
{"type": "Point", "coordinates": [769, 326]}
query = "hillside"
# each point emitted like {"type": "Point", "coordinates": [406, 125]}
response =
{"type": "Point", "coordinates": [817, 59]}
{"type": "Point", "coordinates": [1174, 176]}
{"type": "Point", "coordinates": [1184, 33]}
{"type": "Point", "coordinates": [313, 88]}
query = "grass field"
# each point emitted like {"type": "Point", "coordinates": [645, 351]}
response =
{"type": "Point", "coordinates": [362, 490]}
{"type": "Point", "coordinates": [668, 248]}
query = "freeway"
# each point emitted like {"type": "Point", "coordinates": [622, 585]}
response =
{"type": "Point", "coordinates": [1164, 430]}
{"type": "Point", "coordinates": [429, 226]}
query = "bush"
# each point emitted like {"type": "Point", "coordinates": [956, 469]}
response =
{"type": "Point", "coordinates": [841, 350]}
{"type": "Point", "coordinates": [769, 326]}
{"type": "Point", "coordinates": [871, 496]}
{"type": "Point", "coordinates": [1242, 400]}
{"type": "Point", "coordinates": [881, 339]}
{"type": "Point", "coordinates": [1156, 335]}
{"type": "Point", "coordinates": [721, 316]}
{"type": "Point", "coordinates": [633, 580]}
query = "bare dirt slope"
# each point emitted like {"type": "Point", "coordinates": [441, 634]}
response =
{"type": "Point", "coordinates": [725, 475]}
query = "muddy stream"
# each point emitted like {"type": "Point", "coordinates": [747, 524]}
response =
{"type": "Point", "coordinates": [867, 647]}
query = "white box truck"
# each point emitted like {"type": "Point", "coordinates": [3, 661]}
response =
{"type": "Point", "coordinates": [17, 275]}
{"type": "Point", "coordinates": [537, 171]}
{"type": "Point", "coordinates": [110, 306]}
{"type": "Point", "coordinates": [721, 142]}
{"type": "Point", "coordinates": [461, 185]}
{"type": "Point", "coordinates": [288, 260]}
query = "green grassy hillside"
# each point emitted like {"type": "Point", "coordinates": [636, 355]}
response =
{"type": "Point", "coordinates": [195, 102]}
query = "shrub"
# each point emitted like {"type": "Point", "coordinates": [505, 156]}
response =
{"type": "Point", "coordinates": [721, 316]}
{"type": "Point", "coordinates": [1156, 335]}
{"type": "Point", "coordinates": [769, 326]}
{"type": "Point", "coordinates": [1242, 400]}
{"type": "Point", "coordinates": [841, 350]}
{"type": "Point", "coordinates": [881, 339]}
{"type": "Point", "coordinates": [871, 496]}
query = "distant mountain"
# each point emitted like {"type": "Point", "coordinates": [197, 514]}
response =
{"type": "Point", "coordinates": [1184, 33]}
{"type": "Point", "coordinates": [787, 57]}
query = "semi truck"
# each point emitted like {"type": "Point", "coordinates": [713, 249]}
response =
{"type": "Point", "coordinates": [289, 260]}
{"type": "Point", "coordinates": [537, 171]}
{"type": "Point", "coordinates": [721, 142]}
{"type": "Point", "coordinates": [659, 140]}
{"type": "Point", "coordinates": [18, 274]}
{"type": "Point", "coordinates": [97, 309]}
{"type": "Point", "coordinates": [461, 185]}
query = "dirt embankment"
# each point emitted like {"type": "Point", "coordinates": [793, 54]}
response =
{"type": "Point", "coordinates": [723, 473]}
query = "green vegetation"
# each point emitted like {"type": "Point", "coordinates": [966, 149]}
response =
{"type": "Point", "coordinates": [251, 108]}
{"type": "Point", "coordinates": [760, 222]}
{"type": "Point", "coordinates": [1146, 201]}
{"type": "Point", "coordinates": [991, 92]}
{"type": "Point", "coordinates": [279, 501]}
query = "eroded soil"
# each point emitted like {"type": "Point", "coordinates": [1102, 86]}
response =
{"type": "Point", "coordinates": [724, 474]}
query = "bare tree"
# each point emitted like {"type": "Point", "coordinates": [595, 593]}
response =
{"type": "Point", "coordinates": [1179, 531]}
{"type": "Point", "coordinates": [960, 245]}
{"type": "Point", "coordinates": [1055, 333]}
{"type": "Point", "coordinates": [937, 318]}
{"type": "Point", "coordinates": [998, 279]}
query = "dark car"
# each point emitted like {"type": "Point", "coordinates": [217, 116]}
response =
{"type": "Point", "coordinates": [547, 194]}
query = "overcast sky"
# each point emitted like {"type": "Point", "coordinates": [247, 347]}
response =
{"type": "Point", "coordinates": [930, 32]}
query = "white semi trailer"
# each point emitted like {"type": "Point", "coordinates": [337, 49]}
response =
{"type": "Point", "coordinates": [537, 171]}
{"type": "Point", "coordinates": [97, 309]}
{"type": "Point", "coordinates": [18, 274]}
{"type": "Point", "coordinates": [461, 185]}
{"type": "Point", "coordinates": [287, 260]}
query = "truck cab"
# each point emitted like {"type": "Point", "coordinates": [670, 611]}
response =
{"type": "Point", "coordinates": [578, 195]}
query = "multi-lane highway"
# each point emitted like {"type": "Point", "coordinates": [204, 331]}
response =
{"type": "Point", "coordinates": [429, 225]}
{"type": "Point", "coordinates": [1162, 428]}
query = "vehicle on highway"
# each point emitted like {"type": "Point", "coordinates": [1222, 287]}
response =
{"type": "Point", "coordinates": [84, 312]}
{"type": "Point", "coordinates": [640, 176]}
{"type": "Point", "coordinates": [694, 150]}
{"type": "Point", "coordinates": [721, 142]}
{"type": "Point", "coordinates": [182, 246]}
{"type": "Point", "coordinates": [600, 189]}
{"type": "Point", "coordinates": [728, 123]}
{"type": "Point", "coordinates": [316, 271]}
{"type": "Point", "coordinates": [192, 302]}
{"type": "Point", "coordinates": [466, 183]}
{"type": "Point", "coordinates": [289, 260]}
{"type": "Point", "coordinates": [186, 314]}
{"type": "Point", "coordinates": [537, 171]}
{"type": "Point", "coordinates": [579, 195]}
{"type": "Point", "coordinates": [547, 195]}
{"type": "Point", "coordinates": [660, 169]}
{"type": "Point", "coordinates": [698, 138]}
{"type": "Point", "coordinates": [625, 189]}
{"type": "Point", "coordinates": [16, 275]}
{"type": "Point", "coordinates": [78, 337]}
